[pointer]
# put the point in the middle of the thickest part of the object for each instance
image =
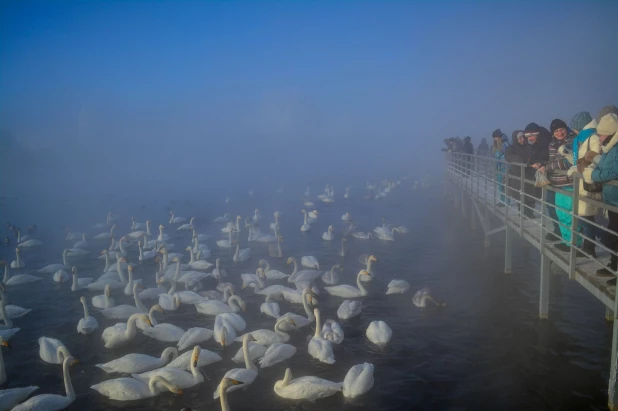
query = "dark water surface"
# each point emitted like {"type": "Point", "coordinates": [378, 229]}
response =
{"type": "Point", "coordinates": [487, 350]}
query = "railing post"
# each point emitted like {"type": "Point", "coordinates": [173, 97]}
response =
{"type": "Point", "coordinates": [522, 199]}
{"type": "Point", "coordinates": [613, 384]}
{"type": "Point", "coordinates": [508, 244]}
{"type": "Point", "coordinates": [543, 219]}
{"type": "Point", "coordinates": [544, 289]}
{"type": "Point", "coordinates": [574, 224]}
{"type": "Point", "coordinates": [487, 224]}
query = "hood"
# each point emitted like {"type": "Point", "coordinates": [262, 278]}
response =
{"type": "Point", "coordinates": [592, 124]}
{"type": "Point", "coordinates": [611, 143]}
{"type": "Point", "coordinates": [514, 136]}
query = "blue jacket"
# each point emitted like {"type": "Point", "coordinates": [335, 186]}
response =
{"type": "Point", "coordinates": [607, 170]}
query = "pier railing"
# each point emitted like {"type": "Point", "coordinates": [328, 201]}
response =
{"type": "Point", "coordinates": [497, 195]}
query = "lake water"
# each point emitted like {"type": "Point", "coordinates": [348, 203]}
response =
{"type": "Point", "coordinates": [487, 350]}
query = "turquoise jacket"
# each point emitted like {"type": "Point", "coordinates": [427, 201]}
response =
{"type": "Point", "coordinates": [607, 170]}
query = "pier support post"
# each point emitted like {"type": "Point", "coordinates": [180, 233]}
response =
{"type": "Point", "coordinates": [613, 368]}
{"type": "Point", "coordinates": [544, 289]}
{"type": "Point", "coordinates": [508, 248]}
{"type": "Point", "coordinates": [609, 315]}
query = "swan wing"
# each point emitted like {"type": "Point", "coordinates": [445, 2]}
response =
{"type": "Point", "coordinates": [358, 380]}
{"type": "Point", "coordinates": [194, 336]}
{"type": "Point", "coordinates": [277, 353]}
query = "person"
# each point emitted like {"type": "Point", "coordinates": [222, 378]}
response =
{"type": "Point", "coordinates": [518, 152]}
{"type": "Point", "coordinates": [604, 169]}
{"type": "Point", "coordinates": [498, 149]}
{"type": "Point", "coordinates": [606, 110]}
{"type": "Point", "coordinates": [483, 148]}
{"type": "Point", "coordinates": [538, 140]}
{"type": "Point", "coordinates": [468, 148]}
{"type": "Point", "coordinates": [586, 145]}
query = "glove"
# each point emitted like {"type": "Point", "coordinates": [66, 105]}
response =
{"type": "Point", "coordinates": [588, 175]}
{"type": "Point", "coordinates": [571, 171]}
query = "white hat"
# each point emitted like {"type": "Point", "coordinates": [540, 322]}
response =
{"type": "Point", "coordinates": [608, 125]}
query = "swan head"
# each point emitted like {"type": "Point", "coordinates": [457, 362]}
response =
{"type": "Point", "coordinates": [175, 259]}
{"type": "Point", "coordinates": [291, 260]}
{"type": "Point", "coordinates": [186, 249]}
{"type": "Point", "coordinates": [122, 260]}
{"type": "Point", "coordinates": [248, 338]}
{"type": "Point", "coordinates": [82, 299]}
{"type": "Point", "coordinates": [372, 258]}
{"type": "Point", "coordinates": [5, 343]}
{"type": "Point", "coordinates": [130, 268]}
{"type": "Point", "coordinates": [161, 226]}
{"type": "Point", "coordinates": [145, 318]}
{"type": "Point", "coordinates": [228, 382]}
{"type": "Point", "coordinates": [260, 273]}
{"type": "Point", "coordinates": [223, 335]}
{"type": "Point", "coordinates": [17, 250]}
{"type": "Point", "coordinates": [104, 252]}
{"type": "Point", "coordinates": [238, 218]}
{"type": "Point", "coordinates": [74, 270]}
{"type": "Point", "coordinates": [196, 355]}
{"type": "Point", "coordinates": [157, 308]}
{"type": "Point", "coordinates": [364, 272]}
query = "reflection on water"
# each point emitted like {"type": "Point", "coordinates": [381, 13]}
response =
{"type": "Point", "coordinates": [486, 350]}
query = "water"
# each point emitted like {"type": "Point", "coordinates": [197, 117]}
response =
{"type": "Point", "coordinates": [486, 350]}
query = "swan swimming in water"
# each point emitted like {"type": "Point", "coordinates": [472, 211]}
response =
{"type": "Point", "coordinates": [379, 332]}
{"type": "Point", "coordinates": [318, 347]}
{"type": "Point", "coordinates": [361, 236]}
{"type": "Point", "coordinates": [105, 300]}
{"type": "Point", "coordinates": [332, 331]}
{"type": "Point", "coordinates": [79, 283]}
{"type": "Point", "coordinates": [17, 263]}
{"type": "Point", "coordinates": [329, 235]}
{"type": "Point", "coordinates": [16, 279]}
{"type": "Point", "coordinates": [306, 226]}
{"type": "Point", "coordinates": [397, 287]}
{"type": "Point", "coordinates": [194, 336]}
{"type": "Point", "coordinates": [130, 389]}
{"type": "Point", "coordinates": [421, 297]}
{"type": "Point", "coordinates": [348, 291]}
{"type": "Point", "coordinates": [88, 324]}
{"type": "Point", "coordinates": [277, 353]}
{"type": "Point", "coordinates": [272, 275]}
{"type": "Point", "coordinates": [52, 351]}
{"type": "Point", "coordinates": [138, 363]}
{"type": "Point", "coordinates": [52, 268]}
{"type": "Point", "coordinates": [310, 261]}
{"type": "Point", "coordinates": [268, 337]}
{"type": "Point", "coordinates": [305, 388]}
{"type": "Point", "coordinates": [245, 375]}
{"type": "Point", "coordinates": [358, 380]}
{"type": "Point", "coordinates": [349, 309]}
{"type": "Point", "coordinates": [177, 376]}
{"type": "Point", "coordinates": [241, 255]}
{"type": "Point", "coordinates": [122, 333]}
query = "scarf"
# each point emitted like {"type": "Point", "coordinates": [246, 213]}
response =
{"type": "Point", "coordinates": [581, 138]}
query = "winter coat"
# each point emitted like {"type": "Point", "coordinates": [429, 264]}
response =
{"type": "Point", "coordinates": [517, 153]}
{"type": "Point", "coordinates": [558, 161]}
{"type": "Point", "coordinates": [499, 150]}
{"type": "Point", "coordinates": [483, 148]}
{"type": "Point", "coordinates": [607, 170]}
{"type": "Point", "coordinates": [591, 143]}
{"type": "Point", "coordinates": [468, 148]}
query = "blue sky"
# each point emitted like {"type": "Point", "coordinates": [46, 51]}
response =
{"type": "Point", "coordinates": [370, 79]}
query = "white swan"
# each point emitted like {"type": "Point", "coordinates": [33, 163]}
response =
{"type": "Point", "coordinates": [176, 220]}
{"type": "Point", "coordinates": [17, 279]}
{"type": "Point", "coordinates": [277, 353]}
{"type": "Point", "coordinates": [162, 237]}
{"type": "Point", "coordinates": [224, 386]}
{"type": "Point", "coordinates": [30, 243]}
{"type": "Point", "coordinates": [145, 255]}
{"type": "Point", "coordinates": [87, 324]}
{"type": "Point", "coordinates": [103, 236]}
{"type": "Point", "coordinates": [358, 380]}
{"type": "Point", "coordinates": [164, 332]}
{"type": "Point", "coordinates": [52, 351]}
{"type": "Point", "coordinates": [310, 261]}
{"type": "Point", "coordinates": [137, 226]}
{"type": "Point", "coordinates": [346, 217]}
{"type": "Point", "coordinates": [421, 297]}
{"type": "Point", "coordinates": [194, 336]}
{"type": "Point", "coordinates": [331, 277]}
{"type": "Point", "coordinates": [52, 268]}
{"type": "Point", "coordinates": [218, 272]}
{"type": "Point", "coordinates": [385, 234]}
{"type": "Point", "coordinates": [184, 360]}
{"type": "Point", "coordinates": [299, 320]}
{"type": "Point", "coordinates": [348, 291]}
{"type": "Point", "coordinates": [53, 401]}
{"type": "Point", "coordinates": [169, 302]}
{"type": "Point", "coordinates": [10, 397]}
{"type": "Point", "coordinates": [186, 227]}
{"type": "Point", "coordinates": [77, 252]}
{"type": "Point", "coordinates": [272, 275]}
{"type": "Point", "coordinates": [61, 276]}
{"type": "Point", "coordinates": [177, 376]}
{"type": "Point", "coordinates": [124, 311]}
{"type": "Point", "coordinates": [268, 337]}
{"type": "Point", "coordinates": [142, 325]}
{"type": "Point", "coordinates": [245, 375]}
{"type": "Point", "coordinates": [109, 279]}
{"type": "Point", "coordinates": [306, 226]}
{"type": "Point", "coordinates": [332, 332]}
{"type": "Point", "coordinates": [83, 243]}
{"type": "Point", "coordinates": [226, 243]}
{"type": "Point", "coordinates": [198, 264]}
{"type": "Point", "coordinates": [397, 287]}
{"type": "Point", "coordinates": [305, 388]}
{"type": "Point", "coordinates": [17, 263]}
{"type": "Point", "coordinates": [313, 216]}
{"type": "Point", "coordinates": [318, 347]}
{"type": "Point", "coordinates": [361, 236]}
{"type": "Point", "coordinates": [241, 255]}
{"type": "Point", "coordinates": [138, 363]}
{"type": "Point", "coordinates": [270, 308]}
{"type": "Point", "coordinates": [302, 275]}
{"type": "Point", "coordinates": [347, 193]}
{"type": "Point", "coordinates": [122, 333]}
{"type": "Point", "coordinates": [330, 234]}
{"type": "Point", "coordinates": [349, 309]}
{"type": "Point", "coordinates": [256, 351]}
{"type": "Point", "coordinates": [223, 219]}
{"type": "Point", "coordinates": [6, 330]}
{"type": "Point", "coordinates": [79, 283]}
{"type": "Point", "coordinates": [214, 307]}
{"type": "Point", "coordinates": [105, 300]}
{"type": "Point", "coordinates": [130, 389]}
{"type": "Point", "coordinates": [379, 332]}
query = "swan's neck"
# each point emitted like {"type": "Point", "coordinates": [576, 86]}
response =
{"type": "Point", "coordinates": [106, 263]}
{"type": "Point", "coordinates": [234, 302]}
{"type": "Point", "coordinates": [245, 350]}
{"type": "Point", "coordinates": [173, 287]}
{"type": "Point", "coordinates": [238, 225]}
{"type": "Point", "coordinates": [318, 325]}
{"type": "Point", "coordinates": [192, 256]}
{"type": "Point", "coordinates": [165, 260]}
{"type": "Point", "coordinates": [2, 369]}
{"type": "Point", "coordinates": [295, 267]}
{"type": "Point", "coordinates": [86, 313]}
{"type": "Point", "coordinates": [141, 250]}
{"type": "Point", "coordinates": [121, 247]}
{"type": "Point", "coordinates": [223, 397]}
{"type": "Point", "coordinates": [237, 251]}
{"type": "Point", "coordinates": [62, 353]}
{"type": "Point", "coordinates": [161, 233]}
{"type": "Point", "coordinates": [306, 307]}
{"type": "Point", "coordinates": [138, 303]}
{"type": "Point", "coordinates": [108, 300]}
{"type": "Point", "coordinates": [74, 286]}
{"type": "Point", "coordinates": [123, 279]}
{"type": "Point", "coordinates": [152, 318]}
{"type": "Point", "coordinates": [152, 384]}
{"type": "Point", "coordinates": [306, 223]}
{"type": "Point", "coordinates": [177, 273]}
{"type": "Point", "coordinates": [360, 285]}
{"type": "Point", "coordinates": [148, 228]}
{"type": "Point", "coordinates": [7, 275]}
{"type": "Point", "coordinates": [342, 248]}
{"type": "Point", "coordinates": [64, 258]}
{"type": "Point", "coordinates": [227, 292]}
{"type": "Point", "coordinates": [8, 322]}
{"type": "Point", "coordinates": [369, 264]}
{"type": "Point", "coordinates": [131, 331]}
{"type": "Point", "coordinates": [171, 218]}
{"type": "Point", "coordinates": [18, 258]}
{"type": "Point", "coordinates": [68, 385]}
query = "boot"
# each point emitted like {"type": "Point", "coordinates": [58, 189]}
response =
{"type": "Point", "coordinates": [589, 248]}
{"type": "Point", "coordinates": [613, 265]}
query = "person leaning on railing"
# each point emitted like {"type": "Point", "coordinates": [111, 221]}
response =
{"type": "Point", "coordinates": [538, 139]}
{"type": "Point", "coordinates": [603, 169]}
{"type": "Point", "coordinates": [498, 150]}
{"type": "Point", "coordinates": [518, 152]}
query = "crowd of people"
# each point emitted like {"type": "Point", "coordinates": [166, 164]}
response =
{"type": "Point", "coordinates": [585, 145]}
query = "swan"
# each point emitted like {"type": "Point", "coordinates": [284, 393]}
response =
{"type": "Point", "coordinates": [318, 347]}
{"type": "Point", "coordinates": [218, 272]}
{"type": "Point", "coordinates": [271, 275]}
{"type": "Point", "coordinates": [224, 386]}
{"type": "Point", "coordinates": [162, 237]}
{"type": "Point", "coordinates": [194, 336]}
{"type": "Point", "coordinates": [385, 234]}
{"type": "Point", "coordinates": [103, 236]}
{"type": "Point", "coordinates": [109, 279]}
{"type": "Point", "coordinates": [349, 309]}
{"type": "Point", "coordinates": [214, 307]}
{"type": "Point", "coordinates": [77, 252]}
{"type": "Point", "coordinates": [12, 396]}
{"type": "Point", "coordinates": [153, 292]}
{"type": "Point", "coordinates": [257, 279]}
{"type": "Point", "coordinates": [245, 375]}
{"type": "Point", "coordinates": [145, 255]}
{"type": "Point", "coordinates": [307, 191]}
{"type": "Point", "coordinates": [303, 275]}
{"type": "Point", "coordinates": [397, 287]}
{"type": "Point", "coordinates": [169, 302]}
{"type": "Point", "coordinates": [198, 264]}
{"type": "Point", "coordinates": [53, 402]}
{"type": "Point", "coordinates": [270, 308]}
{"type": "Point", "coordinates": [223, 219]}
{"type": "Point", "coordinates": [361, 236]}
{"type": "Point", "coordinates": [225, 334]}
{"type": "Point", "coordinates": [52, 268]}
{"type": "Point", "coordinates": [343, 241]}
{"type": "Point", "coordinates": [83, 243]}
{"type": "Point", "coordinates": [177, 376]}
{"type": "Point", "coordinates": [183, 361]}
{"type": "Point", "coordinates": [125, 311]}
{"type": "Point", "coordinates": [306, 226]}
{"type": "Point", "coordinates": [75, 235]}
{"type": "Point", "coordinates": [17, 279]}
{"type": "Point", "coordinates": [176, 220]}
{"type": "Point", "coordinates": [329, 235]}
{"type": "Point", "coordinates": [256, 351]}
{"type": "Point", "coordinates": [17, 263]}
{"type": "Point", "coordinates": [257, 216]}
{"type": "Point", "coordinates": [87, 324]}
{"type": "Point", "coordinates": [260, 237]}
{"type": "Point", "coordinates": [52, 351]}
{"type": "Point", "coordinates": [379, 332]}
{"type": "Point", "coordinates": [6, 330]}
{"type": "Point", "coordinates": [347, 193]}
{"type": "Point", "coordinates": [30, 243]}
{"type": "Point", "coordinates": [201, 237]}
{"type": "Point", "coordinates": [346, 217]}
{"type": "Point", "coordinates": [61, 276]}
{"type": "Point", "coordinates": [226, 243]}
{"type": "Point", "coordinates": [332, 332]}
{"type": "Point", "coordinates": [164, 332]}
{"type": "Point", "coordinates": [310, 261]}
{"type": "Point", "coordinates": [305, 388]}
{"type": "Point", "coordinates": [186, 227]}
{"type": "Point", "coordinates": [313, 216]}
{"type": "Point", "coordinates": [275, 226]}
{"type": "Point", "coordinates": [130, 389]}
{"type": "Point", "coordinates": [142, 325]}
{"type": "Point", "coordinates": [331, 277]}
{"type": "Point", "coordinates": [421, 297]}
{"type": "Point", "coordinates": [200, 248]}
{"type": "Point", "coordinates": [358, 380]}
{"type": "Point", "coordinates": [121, 334]}
{"type": "Point", "coordinates": [234, 320]}
{"type": "Point", "coordinates": [268, 337]}
{"type": "Point", "coordinates": [241, 255]}
{"type": "Point", "coordinates": [138, 363]}
{"type": "Point", "coordinates": [105, 300]}
{"type": "Point", "coordinates": [128, 288]}
{"type": "Point", "coordinates": [275, 250]}
{"type": "Point", "coordinates": [277, 353]}
{"type": "Point", "coordinates": [348, 291]}
{"type": "Point", "coordinates": [79, 283]}
{"type": "Point", "coordinates": [299, 320]}
{"type": "Point", "coordinates": [137, 226]}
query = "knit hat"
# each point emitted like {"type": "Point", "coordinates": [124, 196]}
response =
{"type": "Point", "coordinates": [580, 120]}
{"type": "Point", "coordinates": [468, 138]}
{"type": "Point", "coordinates": [497, 133]}
{"type": "Point", "coordinates": [608, 125]}
{"type": "Point", "coordinates": [532, 128]}
{"type": "Point", "coordinates": [606, 110]}
{"type": "Point", "coordinates": [557, 124]}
